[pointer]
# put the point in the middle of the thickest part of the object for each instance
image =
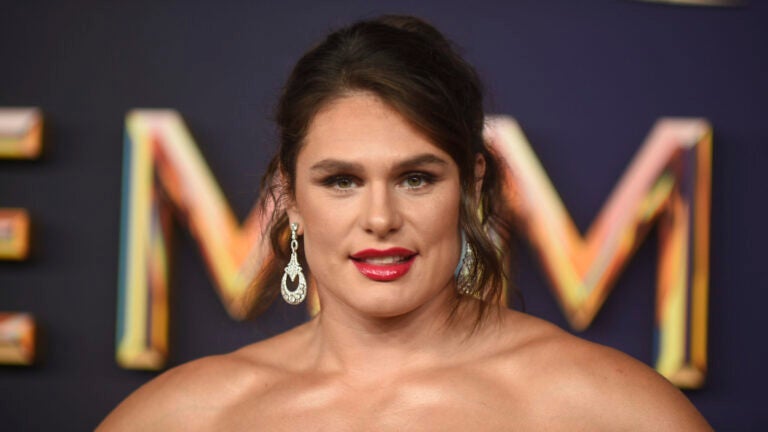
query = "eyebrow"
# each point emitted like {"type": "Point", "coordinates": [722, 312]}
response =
{"type": "Point", "coordinates": [334, 165]}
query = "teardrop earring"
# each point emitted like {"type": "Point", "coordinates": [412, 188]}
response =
{"type": "Point", "coordinates": [463, 272]}
{"type": "Point", "coordinates": [292, 269]}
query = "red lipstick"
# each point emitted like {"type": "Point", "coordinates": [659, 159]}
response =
{"type": "Point", "coordinates": [384, 265]}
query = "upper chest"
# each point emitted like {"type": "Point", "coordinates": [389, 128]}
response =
{"type": "Point", "coordinates": [461, 400]}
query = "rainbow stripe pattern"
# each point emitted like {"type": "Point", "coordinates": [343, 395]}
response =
{"type": "Point", "coordinates": [17, 339]}
{"type": "Point", "coordinates": [164, 170]}
{"type": "Point", "coordinates": [667, 183]}
{"type": "Point", "coordinates": [20, 138]}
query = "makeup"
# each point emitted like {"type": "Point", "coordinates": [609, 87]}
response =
{"type": "Point", "coordinates": [384, 265]}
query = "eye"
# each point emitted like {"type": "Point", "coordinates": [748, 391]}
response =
{"type": "Point", "coordinates": [344, 183]}
{"type": "Point", "coordinates": [417, 180]}
{"type": "Point", "coordinates": [340, 182]}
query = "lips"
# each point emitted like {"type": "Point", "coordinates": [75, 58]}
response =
{"type": "Point", "coordinates": [384, 265]}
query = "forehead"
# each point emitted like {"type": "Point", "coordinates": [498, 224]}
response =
{"type": "Point", "coordinates": [363, 128]}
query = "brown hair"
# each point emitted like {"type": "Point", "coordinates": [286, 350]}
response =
{"type": "Point", "coordinates": [415, 69]}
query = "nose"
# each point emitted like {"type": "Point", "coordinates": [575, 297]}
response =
{"type": "Point", "coordinates": [380, 214]}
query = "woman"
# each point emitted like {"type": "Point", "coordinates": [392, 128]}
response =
{"type": "Point", "coordinates": [384, 178]}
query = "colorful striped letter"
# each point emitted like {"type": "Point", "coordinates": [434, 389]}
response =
{"type": "Point", "coordinates": [162, 169]}
{"type": "Point", "coordinates": [20, 138]}
{"type": "Point", "coordinates": [668, 183]}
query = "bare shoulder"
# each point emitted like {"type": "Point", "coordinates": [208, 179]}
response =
{"type": "Point", "coordinates": [188, 397]}
{"type": "Point", "coordinates": [584, 383]}
{"type": "Point", "coordinates": [193, 396]}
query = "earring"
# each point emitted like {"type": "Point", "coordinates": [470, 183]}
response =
{"type": "Point", "coordinates": [463, 272]}
{"type": "Point", "coordinates": [462, 256]}
{"type": "Point", "coordinates": [291, 270]}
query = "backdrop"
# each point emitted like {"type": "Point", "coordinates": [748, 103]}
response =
{"type": "Point", "coordinates": [586, 80]}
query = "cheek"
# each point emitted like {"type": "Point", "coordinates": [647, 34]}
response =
{"type": "Point", "coordinates": [326, 223]}
{"type": "Point", "coordinates": [437, 221]}
{"type": "Point", "coordinates": [312, 207]}
{"type": "Point", "coordinates": [443, 212]}
{"type": "Point", "coordinates": [437, 224]}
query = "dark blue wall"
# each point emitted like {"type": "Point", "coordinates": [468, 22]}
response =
{"type": "Point", "coordinates": [586, 79]}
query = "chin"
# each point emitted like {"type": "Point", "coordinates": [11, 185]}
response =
{"type": "Point", "coordinates": [377, 299]}
{"type": "Point", "coordinates": [389, 302]}
{"type": "Point", "coordinates": [382, 304]}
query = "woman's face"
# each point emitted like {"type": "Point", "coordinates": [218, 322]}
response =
{"type": "Point", "coordinates": [378, 206]}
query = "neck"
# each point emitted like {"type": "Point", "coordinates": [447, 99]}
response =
{"type": "Point", "coordinates": [349, 342]}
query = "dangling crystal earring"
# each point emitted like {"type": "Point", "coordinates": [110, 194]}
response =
{"type": "Point", "coordinates": [291, 270]}
{"type": "Point", "coordinates": [463, 272]}
{"type": "Point", "coordinates": [462, 256]}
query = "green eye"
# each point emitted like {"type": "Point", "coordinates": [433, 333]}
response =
{"type": "Point", "coordinates": [340, 182]}
{"type": "Point", "coordinates": [414, 181]}
{"type": "Point", "coordinates": [344, 183]}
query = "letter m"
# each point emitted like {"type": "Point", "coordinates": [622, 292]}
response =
{"type": "Point", "coordinates": [164, 170]}
{"type": "Point", "coordinates": [668, 183]}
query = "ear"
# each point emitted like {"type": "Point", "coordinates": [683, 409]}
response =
{"type": "Point", "coordinates": [289, 201]}
{"type": "Point", "coordinates": [479, 174]}
{"type": "Point", "coordinates": [294, 216]}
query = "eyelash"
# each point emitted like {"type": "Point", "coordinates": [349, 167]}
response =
{"type": "Point", "coordinates": [425, 178]}
{"type": "Point", "coordinates": [333, 181]}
